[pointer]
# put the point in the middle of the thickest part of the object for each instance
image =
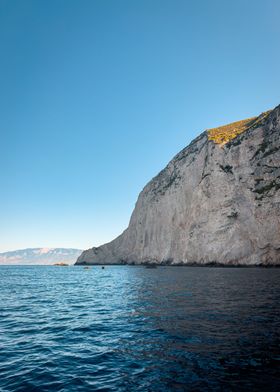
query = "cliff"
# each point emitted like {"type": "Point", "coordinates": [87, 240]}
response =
{"type": "Point", "coordinates": [217, 201]}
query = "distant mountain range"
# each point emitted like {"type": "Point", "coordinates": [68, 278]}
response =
{"type": "Point", "coordinates": [40, 256]}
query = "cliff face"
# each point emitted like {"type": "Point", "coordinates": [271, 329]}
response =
{"type": "Point", "coordinates": [217, 201]}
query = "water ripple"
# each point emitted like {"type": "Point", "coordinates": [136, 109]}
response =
{"type": "Point", "coordinates": [136, 329]}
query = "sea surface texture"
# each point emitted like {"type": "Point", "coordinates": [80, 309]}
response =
{"type": "Point", "coordinates": [136, 329]}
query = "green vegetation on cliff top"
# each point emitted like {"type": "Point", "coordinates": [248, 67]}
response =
{"type": "Point", "coordinates": [224, 134]}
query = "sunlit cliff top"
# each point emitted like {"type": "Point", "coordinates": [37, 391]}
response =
{"type": "Point", "coordinates": [225, 133]}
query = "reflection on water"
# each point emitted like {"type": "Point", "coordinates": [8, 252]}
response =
{"type": "Point", "coordinates": [137, 329]}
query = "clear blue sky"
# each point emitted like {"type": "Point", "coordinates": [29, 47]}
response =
{"type": "Point", "coordinates": [97, 96]}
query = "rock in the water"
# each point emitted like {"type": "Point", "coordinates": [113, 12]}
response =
{"type": "Point", "coordinates": [217, 201]}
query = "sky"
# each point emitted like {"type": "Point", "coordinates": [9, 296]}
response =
{"type": "Point", "coordinates": [96, 96]}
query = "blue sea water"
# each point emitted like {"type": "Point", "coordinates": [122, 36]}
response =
{"type": "Point", "coordinates": [135, 329]}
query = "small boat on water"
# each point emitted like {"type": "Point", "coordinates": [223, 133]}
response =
{"type": "Point", "coordinates": [86, 267]}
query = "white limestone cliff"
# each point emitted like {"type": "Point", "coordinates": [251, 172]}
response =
{"type": "Point", "coordinates": [213, 203]}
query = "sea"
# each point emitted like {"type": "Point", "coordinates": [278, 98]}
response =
{"type": "Point", "coordinates": [130, 328]}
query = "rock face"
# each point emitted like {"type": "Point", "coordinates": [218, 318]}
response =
{"type": "Point", "coordinates": [217, 201]}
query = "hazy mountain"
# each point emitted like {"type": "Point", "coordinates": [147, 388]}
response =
{"type": "Point", "coordinates": [40, 256]}
{"type": "Point", "coordinates": [217, 201]}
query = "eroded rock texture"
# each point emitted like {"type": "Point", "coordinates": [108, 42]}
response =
{"type": "Point", "coordinates": [213, 203]}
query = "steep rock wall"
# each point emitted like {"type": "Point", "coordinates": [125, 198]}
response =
{"type": "Point", "coordinates": [213, 203]}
